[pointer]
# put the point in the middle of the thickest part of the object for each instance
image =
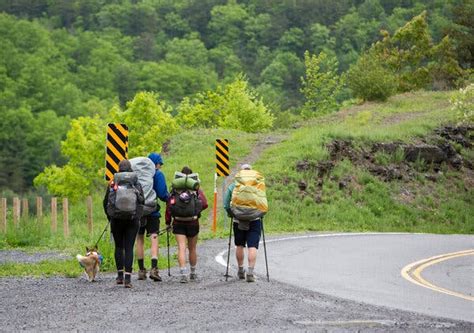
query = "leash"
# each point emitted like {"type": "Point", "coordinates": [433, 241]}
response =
{"type": "Point", "coordinates": [103, 232]}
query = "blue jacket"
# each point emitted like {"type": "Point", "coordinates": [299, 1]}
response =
{"type": "Point", "coordinates": [159, 185]}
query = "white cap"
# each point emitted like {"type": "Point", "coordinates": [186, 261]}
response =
{"type": "Point", "coordinates": [246, 167]}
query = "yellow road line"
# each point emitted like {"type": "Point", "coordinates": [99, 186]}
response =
{"type": "Point", "coordinates": [412, 272]}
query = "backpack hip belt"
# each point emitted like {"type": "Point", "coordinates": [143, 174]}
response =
{"type": "Point", "coordinates": [185, 219]}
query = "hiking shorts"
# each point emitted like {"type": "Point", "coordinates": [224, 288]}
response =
{"type": "Point", "coordinates": [187, 229]}
{"type": "Point", "coordinates": [250, 237]}
{"type": "Point", "coordinates": [149, 223]}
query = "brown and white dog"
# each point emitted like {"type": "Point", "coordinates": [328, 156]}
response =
{"type": "Point", "coordinates": [90, 262]}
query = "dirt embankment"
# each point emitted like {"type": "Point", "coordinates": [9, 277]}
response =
{"type": "Point", "coordinates": [397, 161]}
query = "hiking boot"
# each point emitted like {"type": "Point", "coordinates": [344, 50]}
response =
{"type": "Point", "coordinates": [193, 276]}
{"type": "Point", "coordinates": [250, 278]}
{"type": "Point", "coordinates": [119, 280]}
{"type": "Point", "coordinates": [154, 274]}
{"type": "Point", "coordinates": [183, 279]}
{"type": "Point", "coordinates": [241, 275]}
{"type": "Point", "coordinates": [128, 284]}
{"type": "Point", "coordinates": [142, 274]}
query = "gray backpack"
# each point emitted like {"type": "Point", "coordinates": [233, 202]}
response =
{"type": "Point", "coordinates": [123, 196]}
{"type": "Point", "coordinates": [145, 169]}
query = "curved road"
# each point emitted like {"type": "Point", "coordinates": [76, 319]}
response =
{"type": "Point", "coordinates": [375, 268]}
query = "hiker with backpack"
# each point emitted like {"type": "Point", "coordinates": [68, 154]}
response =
{"type": "Point", "coordinates": [123, 206]}
{"type": "Point", "coordinates": [183, 210]}
{"type": "Point", "coordinates": [151, 222]}
{"type": "Point", "coordinates": [246, 203]}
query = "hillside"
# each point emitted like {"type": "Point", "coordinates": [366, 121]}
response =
{"type": "Point", "coordinates": [362, 170]}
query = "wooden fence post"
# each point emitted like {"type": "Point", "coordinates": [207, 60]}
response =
{"type": "Point", "coordinates": [90, 222]}
{"type": "Point", "coordinates": [16, 211]}
{"type": "Point", "coordinates": [54, 214]}
{"type": "Point", "coordinates": [65, 217]}
{"type": "Point", "coordinates": [24, 208]}
{"type": "Point", "coordinates": [39, 208]}
{"type": "Point", "coordinates": [4, 215]}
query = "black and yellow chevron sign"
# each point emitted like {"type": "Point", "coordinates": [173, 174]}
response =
{"type": "Point", "coordinates": [222, 157]}
{"type": "Point", "coordinates": [117, 148]}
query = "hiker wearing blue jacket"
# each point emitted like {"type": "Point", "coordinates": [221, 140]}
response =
{"type": "Point", "coordinates": [151, 223]}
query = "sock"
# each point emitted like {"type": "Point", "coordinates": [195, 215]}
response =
{"type": "Point", "coordinates": [141, 264]}
{"type": "Point", "coordinates": [128, 276]}
{"type": "Point", "coordinates": [193, 269]}
{"type": "Point", "coordinates": [154, 262]}
{"type": "Point", "coordinates": [241, 269]}
{"type": "Point", "coordinates": [120, 274]}
{"type": "Point", "coordinates": [182, 270]}
{"type": "Point", "coordinates": [250, 271]}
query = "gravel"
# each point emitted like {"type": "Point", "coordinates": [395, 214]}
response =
{"type": "Point", "coordinates": [209, 304]}
{"type": "Point", "coordinates": [17, 256]}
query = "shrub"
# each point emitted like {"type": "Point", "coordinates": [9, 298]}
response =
{"type": "Point", "coordinates": [370, 80]}
{"type": "Point", "coordinates": [463, 104]}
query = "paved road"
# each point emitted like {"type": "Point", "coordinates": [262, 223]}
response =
{"type": "Point", "coordinates": [367, 268]}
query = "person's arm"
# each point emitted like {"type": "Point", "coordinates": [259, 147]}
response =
{"type": "Point", "coordinates": [159, 185]}
{"type": "Point", "coordinates": [140, 194]}
{"type": "Point", "coordinates": [203, 199]}
{"type": "Point", "coordinates": [227, 198]}
{"type": "Point", "coordinates": [106, 198]}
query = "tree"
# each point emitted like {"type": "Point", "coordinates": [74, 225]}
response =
{"type": "Point", "coordinates": [149, 121]}
{"type": "Point", "coordinates": [242, 109]}
{"type": "Point", "coordinates": [444, 67]}
{"type": "Point", "coordinates": [321, 85]}
{"type": "Point", "coordinates": [370, 80]}
{"type": "Point", "coordinates": [408, 52]}
{"type": "Point", "coordinates": [84, 147]}
{"type": "Point", "coordinates": [235, 106]}
{"type": "Point", "coordinates": [150, 124]}
{"type": "Point", "coordinates": [227, 24]}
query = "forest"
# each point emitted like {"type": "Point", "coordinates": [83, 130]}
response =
{"type": "Point", "coordinates": [67, 68]}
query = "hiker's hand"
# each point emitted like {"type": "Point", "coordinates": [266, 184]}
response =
{"type": "Point", "coordinates": [229, 213]}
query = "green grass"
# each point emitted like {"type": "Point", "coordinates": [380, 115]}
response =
{"type": "Point", "coordinates": [369, 204]}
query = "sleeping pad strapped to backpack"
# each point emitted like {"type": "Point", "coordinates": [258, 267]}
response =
{"type": "Point", "coordinates": [184, 198]}
{"type": "Point", "coordinates": [249, 200]}
{"type": "Point", "coordinates": [145, 169]}
{"type": "Point", "coordinates": [123, 197]}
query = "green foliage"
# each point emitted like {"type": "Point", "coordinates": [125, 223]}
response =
{"type": "Point", "coordinates": [368, 203]}
{"type": "Point", "coordinates": [235, 106]}
{"type": "Point", "coordinates": [321, 85]}
{"type": "Point", "coordinates": [84, 147]}
{"type": "Point", "coordinates": [370, 79]}
{"type": "Point", "coordinates": [78, 58]}
{"type": "Point", "coordinates": [149, 122]}
{"type": "Point", "coordinates": [444, 67]}
{"type": "Point", "coordinates": [406, 61]}
{"type": "Point", "coordinates": [462, 103]}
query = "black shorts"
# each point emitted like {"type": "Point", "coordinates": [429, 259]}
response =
{"type": "Point", "coordinates": [250, 237]}
{"type": "Point", "coordinates": [187, 229]}
{"type": "Point", "coordinates": [149, 223]}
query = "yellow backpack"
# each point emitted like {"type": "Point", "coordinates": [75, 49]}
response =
{"type": "Point", "coordinates": [249, 200]}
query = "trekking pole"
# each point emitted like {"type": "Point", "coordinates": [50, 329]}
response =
{"type": "Point", "coordinates": [168, 245]}
{"type": "Point", "coordinates": [265, 250]}
{"type": "Point", "coordinates": [103, 232]}
{"type": "Point", "coordinates": [228, 250]}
